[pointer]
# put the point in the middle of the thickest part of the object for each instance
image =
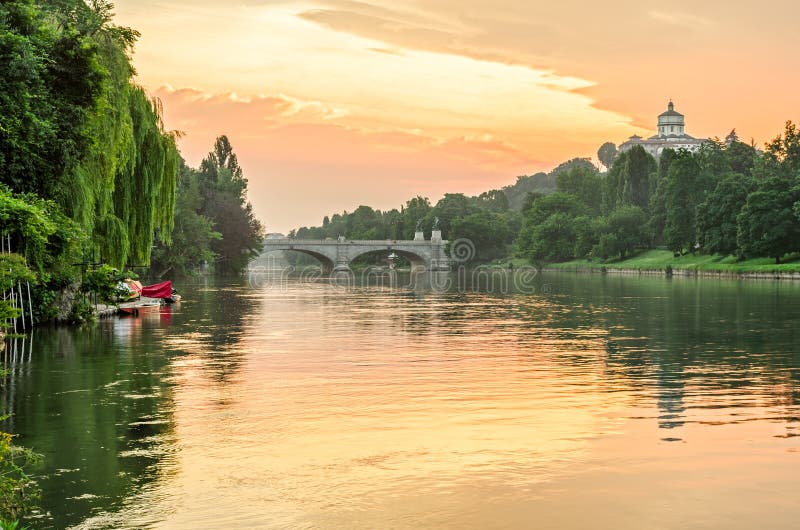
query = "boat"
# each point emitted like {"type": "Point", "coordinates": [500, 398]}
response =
{"type": "Point", "coordinates": [136, 308]}
{"type": "Point", "coordinates": [149, 297]}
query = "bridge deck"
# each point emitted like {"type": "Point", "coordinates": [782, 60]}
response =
{"type": "Point", "coordinates": [360, 242]}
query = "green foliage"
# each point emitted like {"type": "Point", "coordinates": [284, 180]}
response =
{"type": "Point", "coordinates": [224, 191]}
{"type": "Point", "coordinates": [487, 230]}
{"type": "Point", "coordinates": [104, 282]}
{"type": "Point", "coordinates": [82, 311]}
{"type": "Point", "coordinates": [584, 184]}
{"type": "Point", "coordinates": [539, 184]}
{"type": "Point", "coordinates": [37, 228]}
{"type": "Point", "coordinates": [13, 273]}
{"type": "Point", "coordinates": [767, 224]}
{"type": "Point", "coordinates": [18, 492]}
{"type": "Point", "coordinates": [782, 156]}
{"type": "Point", "coordinates": [680, 200]}
{"type": "Point", "coordinates": [622, 232]}
{"type": "Point", "coordinates": [628, 181]}
{"type": "Point", "coordinates": [213, 220]}
{"type": "Point", "coordinates": [11, 525]}
{"type": "Point", "coordinates": [606, 154]}
{"type": "Point", "coordinates": [75, 130]}
{"type": "Point", "coordinates": [716, 216]}
{"type": "Point", "coordinates": [551, 240]}
{"type": "Point", "coordinates": [192, 234]}
{"type": "Point", "coordinates": [558, 202]}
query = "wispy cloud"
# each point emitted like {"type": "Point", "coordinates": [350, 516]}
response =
{"type": "Point", "coordinates": [685, 20]}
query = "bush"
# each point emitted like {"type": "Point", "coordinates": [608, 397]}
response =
{"type": "Point", "coordinates": [18, 492]}
{"type": "Point", "coordinates": [105, 283]}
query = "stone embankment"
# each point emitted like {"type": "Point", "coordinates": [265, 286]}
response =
{"type": "Point", "coordinates": [687, 273]}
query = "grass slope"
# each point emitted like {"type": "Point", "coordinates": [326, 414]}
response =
{"type": "Point", "coordinates": [659, 259]}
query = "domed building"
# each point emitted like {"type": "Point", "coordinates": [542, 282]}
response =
{"type": "Point", "coordinates": [671, 135]}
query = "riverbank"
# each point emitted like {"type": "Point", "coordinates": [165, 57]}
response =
{"type": "Point", "coordinates": [664, 263]}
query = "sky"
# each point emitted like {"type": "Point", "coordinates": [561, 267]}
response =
{"type": "Point", "coordinates": [331, 104]}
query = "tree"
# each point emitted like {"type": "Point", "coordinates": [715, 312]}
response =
{"type": "Point", "coordinates": [415, 210]}
{"type": "Point", "coordinates": [551, 240]}
{"type": "Point", "coordinates": [742, 157]}
{"type": "Point", "coordinates": [782, 156]}
{"type": "Point", "coordinates": [767, 224]}
{"type": "Point", "coordinates": [449, 208]}
{"type": "Point", "coordinates": [585, 185]}
{"type": "Point", "coordinates": [573, 163]}
{"type": "Point", "coordinates": [220, 170]}
{"type": "Point", "coordinates": [224, 190]}
{"type": "Point", "coordinates": [488, 232]}
{"type": "Point", "coordinates": [493, 200]}
{"type": "Point", "coordinates": [76, 130]}
{"type": "Point", "coordinates": [717, 215]}
{"type": "Point", "coordinates": [192, 235]}
{"type": "Point", "coordinates": [606, 154]}
{"type": "Point", "coordinates": [636, 177]}
{"type": "Point", "coordinates": [679, 201]}
{"type": "Point", "coordinates": [622, 232]}
{"type": "Point", "coordinates": [546, 206]}
{"type": "Point", "coordinates": [551, 227]}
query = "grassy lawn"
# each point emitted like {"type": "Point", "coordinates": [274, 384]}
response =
{"type": "Point", "coordinates": [659, 259]}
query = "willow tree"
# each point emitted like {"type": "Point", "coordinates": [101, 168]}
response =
{"type": "Point", "coordinates": [77, 130]}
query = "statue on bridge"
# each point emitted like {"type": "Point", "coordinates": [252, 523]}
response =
{"type": "Point", "coordinates": [435, 223]}
{"type": "Point", "coordinates": [419, 226]}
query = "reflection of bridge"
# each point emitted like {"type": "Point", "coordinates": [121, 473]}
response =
{"type": "Point", "coordinates": [337, 254]}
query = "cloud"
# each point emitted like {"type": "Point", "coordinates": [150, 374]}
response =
{"type": "Point", "coordinates": [302, 161]}
{"type": "Point", "coordinates": [684, 20]}
{"type": "Point", "coordinates": [456, 32]}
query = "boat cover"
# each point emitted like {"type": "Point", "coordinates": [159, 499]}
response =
{"type": "Point", "coordinates": [158, 290]}
{"type": "Point", "coordinates": [134, 288]}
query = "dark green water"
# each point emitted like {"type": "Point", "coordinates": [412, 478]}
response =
{"type": "Point", "coordinates": [614, 402]}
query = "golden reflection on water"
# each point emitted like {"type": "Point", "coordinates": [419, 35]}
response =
{"type": "Point", "coordinates": [388, 409]}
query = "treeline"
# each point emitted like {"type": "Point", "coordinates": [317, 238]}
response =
{"type": "Point", "coordinates": [729, 198]}
{"type": "Point", "coordinates": [486, 219]}
{"type": "Point", "coordinates": [492, 220]}
{"type": "Point", "coordinates": [88, 173]}
{"type": "Point", "coordinates": [214, 223]}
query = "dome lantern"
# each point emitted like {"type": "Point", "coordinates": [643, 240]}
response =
{"type": "Point", "coordinates": [671, 122]}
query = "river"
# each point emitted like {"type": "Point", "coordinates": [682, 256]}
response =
{"type": "Point", "coordinates": [582, 401]}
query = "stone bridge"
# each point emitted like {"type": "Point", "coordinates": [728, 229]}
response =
{"type": "Point", "coordinates": [336, 254]}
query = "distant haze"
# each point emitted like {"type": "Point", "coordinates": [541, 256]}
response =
{"type": "Point", "coordinates": [335, 103]}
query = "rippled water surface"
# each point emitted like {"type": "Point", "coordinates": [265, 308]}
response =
{"type": "Point", "coordinates": [601, 402]}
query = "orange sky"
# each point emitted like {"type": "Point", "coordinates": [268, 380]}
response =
{"type": "Point", "coordinates": [335, 103]}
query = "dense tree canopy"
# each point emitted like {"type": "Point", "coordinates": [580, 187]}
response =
{"type": "Point", "coordinates": [74, 128]}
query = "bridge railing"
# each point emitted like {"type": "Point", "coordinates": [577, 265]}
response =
{"type": "Point", "coordinates": [358, 242]}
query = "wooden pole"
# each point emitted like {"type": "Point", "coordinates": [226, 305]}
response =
{"type": "Point", "coordinates": [21, 305]}
{"type": "Point", "coordinates": [30, 304]}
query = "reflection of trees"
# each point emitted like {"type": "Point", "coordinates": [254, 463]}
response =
{"type": "Point", "coordinates": [97, 401]}
{"type": "Point", "coordinates": [701, 338]}
{"type": "Point", "coordinates": [682, 342]}
{"type": "Point", "coordinates": [96, 408]}
{"type": "Point", "coordinates": [215, 323]}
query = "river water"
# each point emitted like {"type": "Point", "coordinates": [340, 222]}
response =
{"type": "Point", "coordinates": [584, 401]}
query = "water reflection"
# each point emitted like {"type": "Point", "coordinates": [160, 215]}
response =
{"type": "Point", "coordinates": [307, 405]}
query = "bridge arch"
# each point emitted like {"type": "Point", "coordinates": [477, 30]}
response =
{"type": "Point", "coordinates": [326, 263]}
{"type": "Point", "coordinates": [416, 259]}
